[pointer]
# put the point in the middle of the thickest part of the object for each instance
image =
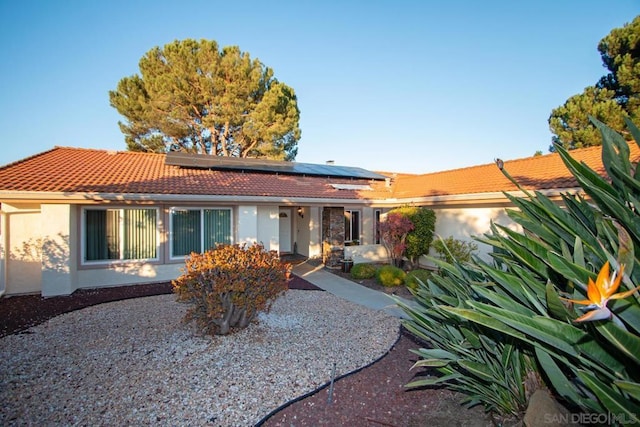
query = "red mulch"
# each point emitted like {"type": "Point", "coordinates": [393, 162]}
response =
{"type": "Point", "coordinates": [24, 311]}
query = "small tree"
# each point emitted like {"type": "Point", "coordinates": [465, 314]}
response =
{"type": "Point", "coordinates": [420, 238]}
{"type": "Point", "coordinates": [393, 231]}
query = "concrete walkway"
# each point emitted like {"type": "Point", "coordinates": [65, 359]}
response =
{"type": "Point", "coordinates": [348, 290]}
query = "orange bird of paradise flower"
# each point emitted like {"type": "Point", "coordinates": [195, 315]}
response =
{"type": "Point", "coordinates": [599, 294]}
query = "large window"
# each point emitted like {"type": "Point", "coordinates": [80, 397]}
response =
{"type": "Point", "coordinates": [352, 227]}
{"type": "Point", "coordinates": [120, 234]}
{"type": "Point", "coordinates": [196, 230]}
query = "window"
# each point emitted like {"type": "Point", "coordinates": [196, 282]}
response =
{"type": "Point", "coordinates": [352, 226]}
{"type": "Point", "coordinates": [120, 234]}
{"type": "Point", "coordinates": [376, 226]}
{"type": "Point", "coordinates": [196, 230]}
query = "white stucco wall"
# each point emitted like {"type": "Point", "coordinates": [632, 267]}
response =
{"type": "Point", "coordinates": [366, 253]}
{"type": "Point", "coordinates": [247, 224]}
{"type": "Point", "coordinates": [59, 239]}
{"type": "Point", "coordinates": [465, 223]}
{"type": "Point", "coordinates": [127, 274]}
{"type": "Point", "coordinates": [42, 244]}
{"type": "Point", "coordinates": [23, 248]}
{"type": "Point", "coordinates": [366, 226]}
{"type": "Point", "coordinates": [315, 233]}
{"type": "Point", "coordinates": [267, 227]}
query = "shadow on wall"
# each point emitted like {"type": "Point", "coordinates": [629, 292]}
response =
{"type": "Point", "coordinates": [466, 223]}
{"type": "Point", "coordinates": [366, 253]}
{"type": "Point", "coordinates": [26, 262]}
{"type": "Point", "coordinates": [140, 269]}
{"type": "Point", "coordinates": [50, 253]}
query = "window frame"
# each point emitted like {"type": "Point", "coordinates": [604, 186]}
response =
{"type": "Point", "coordinates": [377, 219]}
{"type": "Point", "coordinates": [201, 209]}
{"type": "Point", "coordinates": [359, 225]}
{"type": "Point", "coordinates": [105, 262]}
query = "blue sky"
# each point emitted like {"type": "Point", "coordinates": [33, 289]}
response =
{"type": "Point", "coordinates": [407, 86]}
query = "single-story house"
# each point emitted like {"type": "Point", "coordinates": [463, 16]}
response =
{"type": "Point", "coordinates": [75, 218]}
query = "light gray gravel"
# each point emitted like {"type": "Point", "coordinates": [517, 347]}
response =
{"type": "Point", "coordinates": [133, 362]}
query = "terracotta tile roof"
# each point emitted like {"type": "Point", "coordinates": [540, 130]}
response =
{"type": "Point", "coordinates": [75, 170]}
{"type": "Point", "coordinates": [78, 171]}
{"type": "Point", "coordinates": [538, 172]}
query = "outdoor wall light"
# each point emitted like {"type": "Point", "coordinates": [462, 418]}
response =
{"type": "Point", "coordinates": [300, 212]}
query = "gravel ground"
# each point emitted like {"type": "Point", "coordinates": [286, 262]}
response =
{"type": "Point", "coordinates": [133, 362]}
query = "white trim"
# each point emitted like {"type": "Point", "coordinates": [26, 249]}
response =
{"type": "Point", "coordinates": [94, 198]}
{"type": "Point", "coordinates": [90, 198]}
{"type": "Point", "coordinates": [460, 198]}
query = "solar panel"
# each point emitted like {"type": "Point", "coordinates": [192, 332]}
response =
{"type": "Point", "coordinates": [206, 161]}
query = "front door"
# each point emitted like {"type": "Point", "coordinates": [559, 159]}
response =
{"type": "Point", "coordinates": [285, 230]}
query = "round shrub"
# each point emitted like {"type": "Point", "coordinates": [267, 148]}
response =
{"type": "Point", "coordinates": [390, 276]}
{"type": "Point", "coordinates": [363, 271]}
{"type": "Point", "coordinates": [411, 281]}
{"type": "Point", "coordinates": [229, 285]}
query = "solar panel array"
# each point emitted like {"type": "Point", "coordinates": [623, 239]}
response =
{"type": "Point", "coordinates": [205, 161]}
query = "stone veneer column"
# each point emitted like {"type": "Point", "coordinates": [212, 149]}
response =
{"type": "Point", "coordinates": [332, 236]}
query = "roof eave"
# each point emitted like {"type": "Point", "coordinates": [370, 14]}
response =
{"type": "Point", "coordinates": [472, 198]}
{"type": "Point", "coordinates": [92, 198]}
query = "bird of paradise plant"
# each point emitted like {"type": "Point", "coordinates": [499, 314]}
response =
{"type": "Point", "coordinates": [600, 292]}
{"type": "Point", "coordinates": [591, 361]}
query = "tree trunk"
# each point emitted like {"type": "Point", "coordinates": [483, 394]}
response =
{"type": "Point", "coordinates": [245, 319]}
{"type": "Point", "coordinates": [224, 324]}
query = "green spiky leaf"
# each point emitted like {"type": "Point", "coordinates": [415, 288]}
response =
{"type": "Point", "coordinates": [611, 399]}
